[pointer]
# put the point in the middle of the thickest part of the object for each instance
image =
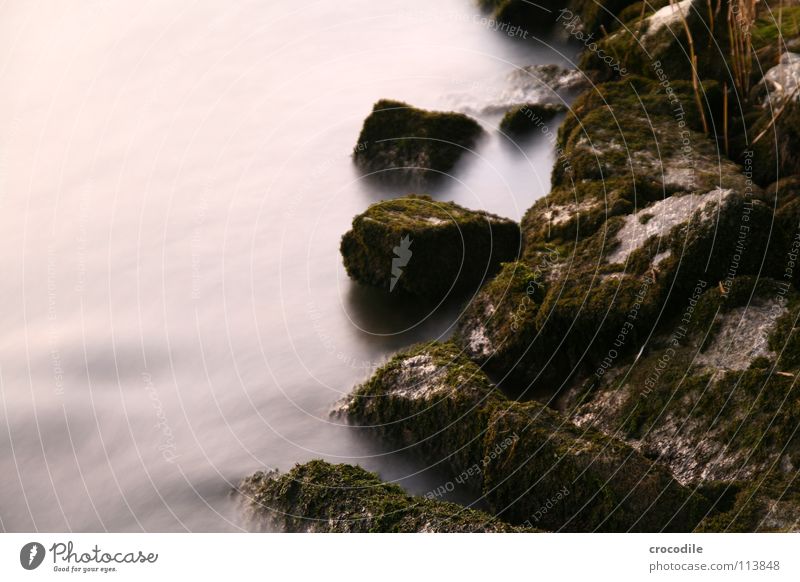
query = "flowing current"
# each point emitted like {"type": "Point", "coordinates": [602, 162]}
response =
{"type": "Point", "coordinates": [175, 177]}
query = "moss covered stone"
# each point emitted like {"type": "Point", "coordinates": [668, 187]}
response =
{"type": "Point", "coordinates": [647, 208]}
{"type": "Point", "coordinates": [430, 400]}
{"type": "Point", "coordinates": [320, 497]}
{"type": "Point", "coordinates": [770, 503]}
{"type": "Point", "coordinates": [524, 119]}
{"type": "Point", "coordinates": [433, 401]}
{"type": "Point", "coordinates": [657, 35]}
{"type": "Point", "coordinates": [402, 144]}
{"type": "Point", "coordinates": [426, 248]}
{"type": "Point", "coordinates": [604, 485]}
{"type": "Point", "coordinates": [713, 396]}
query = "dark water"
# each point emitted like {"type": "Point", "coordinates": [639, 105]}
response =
{"type": "Point", "coordinates": [175, 178]}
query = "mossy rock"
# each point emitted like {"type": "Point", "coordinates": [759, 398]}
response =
{"type": "Point", "coordinates": [435, 402]}
{"type": "Point", "coordinates": [587, 15]}
{"type": "Point", "coordinates": [712, 397]}
{"type": "Point", "coordinates": [321, 497]}
{"type": "Point", "coordinates": [418, 246]}
{"type": "Point", "coordinates": [771, 503]}
{"type": "Point", "coordinates": [616, 242]}
{"type": "Point", "coordinates": [777, 153]}
{"type": "Point", "coordinates": [660, 39]}
{"type": "Point", "coordinates": [604, 294]}
{"type": "Point", "coordinates": [430, 400]}
{"type": "Point", "coordinates": [401, 144]}
{"type": "Point", "coordinates": [522, 120]}
{"type": "Point", "coordinates": [633, 130]}
{"type": "Point", "coordinates": [561, 477]}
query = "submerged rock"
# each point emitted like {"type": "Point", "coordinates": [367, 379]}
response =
{"type": "Point", "coordinates": [434, 402]}
{"type": "Point", "coordinates": [533, 84]}
{"type": "Point", "coordinates": [320, 497]}
{"type": "Point", "coordinates": [524, 119]}
{"type": "Point", "coordinates": [403, 144]}
{"type": "Point", "coordinates": [426, 248]}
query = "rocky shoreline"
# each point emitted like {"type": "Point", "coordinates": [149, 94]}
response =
{"type": "Point", "coordinates": [629, 359]}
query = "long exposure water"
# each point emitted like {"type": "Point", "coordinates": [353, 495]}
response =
{"type": "Point", "coordinates": [175, 177]}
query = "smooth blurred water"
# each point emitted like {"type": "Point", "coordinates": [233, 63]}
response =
{"type": "Point", "coordinates": [174, 179]}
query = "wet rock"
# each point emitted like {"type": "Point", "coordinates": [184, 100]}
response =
{"type": "Point", "coordinates": [430, 400]}
{"type": "Point", "coordinates": [525, 119]}
{"type": "Point", "coordinates": [533, 84]}
{"type": "Point", "coordinates": [660, 39]}
{"type": "Point", "coordinates": [623, 233]}
{"type": "Point", "coordinates": [402, 144]}
{"type": "Point", "coordinates": [320, 497]}
{"type": "Point", "coordinates": [433, 401]}
{"type": "Point", "coordinates": [426, 248]}
{"type": "Point", "coordinates": [711, 398]}
{"type": "Point", "coordinates": [770, 504]}
{"type": "Point", "coordinates": [565, 478]}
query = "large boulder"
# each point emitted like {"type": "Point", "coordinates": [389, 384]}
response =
{"type": "Point", "coordinates": [641, 208]}
{"type": "Point", "coordinates": [320, 497]}
{"type": "Point", "coordinates": [426, 248]}
{"type": "Point", "coordinates": [711, 397]}
{"type": "Point", "coordinates": [402, 144]}
{"type": "Point", "coordinates": [523, 457]}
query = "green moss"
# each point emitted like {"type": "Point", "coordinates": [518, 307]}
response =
{"type": "Point", "coordinates": [770, 503]}
{"type": "Point", "coordinates": [433, 401]}
{"type": "Point", "coordinates": [448, 248]}
{"type": "Point", "coordinates": [765, 32]}
{"type": "Point", "coordinates": [402, 143]}
{"type": "Point", "coordinates": [320, 497]}
{"type": "Point", "coordinates": [707, 424]}
{"type": "Point", "coordinates": [524, 119]}
{"type": "Point", "coordinates": [638, 48]}
{"type": "Point", "coordinates": [429, 398]}
{"type": "Point", "coordinates": [605, 485]}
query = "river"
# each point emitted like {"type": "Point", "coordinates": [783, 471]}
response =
{"type": "Point", "coordinates": [175, 177]}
